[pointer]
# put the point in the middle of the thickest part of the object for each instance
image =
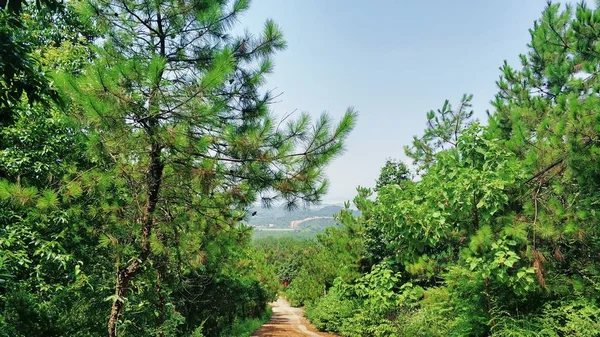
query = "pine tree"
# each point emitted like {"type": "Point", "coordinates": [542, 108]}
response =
{"type": "Point", "coordinates": [547, 113]}
{"type": "Point", "coordinates": [173, 109]}
{"type": "Point", "coordinates": [444, 126]}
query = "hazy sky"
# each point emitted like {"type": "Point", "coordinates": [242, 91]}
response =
{"type": "Point", "coordinates": [393, 61]}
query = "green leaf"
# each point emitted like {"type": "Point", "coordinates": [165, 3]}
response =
{"type": "Point", "coordinates": [480, 203]}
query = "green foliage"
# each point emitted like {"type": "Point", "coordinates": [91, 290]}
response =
{"type": "Point", "coordinates": [305, 288]}
{"type": "Point", "coordinates": [443, 129]}
{"type": "Point", "coordinates": [332, 310]}
{"type": "Point", "coordinates": [21, 75]}
{"type": "Point", "coordinates": [580, 317]}
{"type": "Point", "coordinates": [502, 265]}
{"type": "Point", "coordinates": [245, 327]}
{"type": "Point", "coordinates": [336, 254]}
{"type": "Point", "coordinates": [286, 255]}
{"type": "Point", "coordinates": [393, 172]}
{"type": "Point", "coordinates": [433, 317]}
{"type": "Point", "coordinates": [377, 288]}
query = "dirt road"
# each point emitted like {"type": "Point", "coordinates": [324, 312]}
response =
{"type": "Point", "coordinates": [288, 322]}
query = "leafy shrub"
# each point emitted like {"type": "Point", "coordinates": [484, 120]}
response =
{"type": "Point", "coordinates": [304, 289]}
{"type": "Point", "coordinates": [245, 327]}
{"type": "Point", "coordinates": [433, 317]}
{"type": "Point", "coordinates": [330, 311]}
{"type": "Point", "coordinates": [579, 317]}
{"type": "Point", "coordinates": [237, 300]}
{"type": "Point", "coordinates": [368, 323]}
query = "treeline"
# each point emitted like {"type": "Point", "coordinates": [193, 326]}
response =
{"type": "Point", "coordinates": [497, 232]}
{"type": "Point", "coordinates": [134, 136]}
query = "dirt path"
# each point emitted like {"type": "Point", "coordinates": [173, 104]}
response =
{"type": "Point", "coordinates": [288, 322]}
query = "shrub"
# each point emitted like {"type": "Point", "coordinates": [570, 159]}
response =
{"type": "Point", "coordinates": [330, 311]}
{"type": "Point", "coordinates": [304, 289]}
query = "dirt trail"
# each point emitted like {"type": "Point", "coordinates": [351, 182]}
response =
{"type": "Point", "coordinates": [288, 322]}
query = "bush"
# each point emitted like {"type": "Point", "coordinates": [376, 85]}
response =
{"type": "Point", "coordinates": [240, 303]}
{"type": "Point", "coordinates": [245, 327]}
{"type": "Point", "coordinates": [580, 317]}
{"type": "Point", "coordinates": [367, 322]}
{"type": "Point", "coordinates": [304, 289]}
{"type": "Point", "coordinates": [432, 318]}
{"type": "Point", "coordinates": [330, 311]}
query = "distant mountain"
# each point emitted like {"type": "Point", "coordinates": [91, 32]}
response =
{"type": "Point", "coordinates": [277, 217]}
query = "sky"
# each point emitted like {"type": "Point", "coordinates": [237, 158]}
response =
{"type": "Point", "coordinates": [392, 61]}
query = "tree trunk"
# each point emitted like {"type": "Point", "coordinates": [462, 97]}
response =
{"type": "Point", "coordinates": [123, 278]}
{"type": "Point", "coordinates": [124, 275]}
{"type": "Point", "coordinates": [162, 301]}
{"type": "Point", "coordinates": [489, 303]}
{"type": "Point", "coordinates": [161, 272]}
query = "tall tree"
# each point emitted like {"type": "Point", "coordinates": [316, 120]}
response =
{"type": "Point", "coordinates": [174, 109]}
{"type": "Point", "coordinates": [547, 113]}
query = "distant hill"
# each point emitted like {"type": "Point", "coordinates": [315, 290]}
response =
{"type": "Point", "coordinates": [280, 220]}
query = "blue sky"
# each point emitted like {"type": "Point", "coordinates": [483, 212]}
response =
{"type": "Point", "coordinates": [393, 61]}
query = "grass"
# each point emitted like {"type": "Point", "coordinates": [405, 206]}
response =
{"type": "Point", "coordinates": [245, 327]}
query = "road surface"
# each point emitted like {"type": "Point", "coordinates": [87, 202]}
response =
{"type": "Point", "coordinates": [288, 322]}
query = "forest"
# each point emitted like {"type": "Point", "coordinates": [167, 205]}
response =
{"type": "Point", "coordinates": [136, 137]}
